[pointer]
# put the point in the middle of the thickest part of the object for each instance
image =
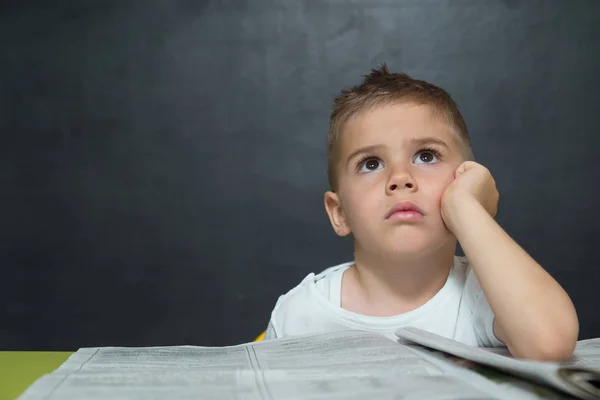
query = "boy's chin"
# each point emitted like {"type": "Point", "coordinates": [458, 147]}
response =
{"type": "Point", "coordinates": [416, 246]}
{"type": "Point", "coordinates": [407, 245]}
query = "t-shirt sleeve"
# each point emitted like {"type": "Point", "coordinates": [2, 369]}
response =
{"type": "Point", "coordinates": [270, 332]}
{"type": "Point", "coordinates": [482, 314]}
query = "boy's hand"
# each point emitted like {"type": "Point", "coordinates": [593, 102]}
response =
{"type": "Point", "coordinates": [473, 182]}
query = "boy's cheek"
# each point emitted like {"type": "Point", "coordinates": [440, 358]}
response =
{"type": "Point", "coordinates": [449, 179]}
{"type": "Point", "coordinates": [437, 191]}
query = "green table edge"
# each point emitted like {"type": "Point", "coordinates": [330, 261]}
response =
{"type": "Point", "coordinates": [19, 369]}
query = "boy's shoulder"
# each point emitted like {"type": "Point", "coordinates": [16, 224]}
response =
{"type": "Point", "coordinates": [306, 298]}
{"type": "Point", "coordinates": [313, 279]}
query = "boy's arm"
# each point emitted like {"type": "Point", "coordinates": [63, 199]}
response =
{"type": "Point", "coordinates": [534, 316]}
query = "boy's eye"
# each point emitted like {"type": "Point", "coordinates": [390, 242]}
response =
{"type": "Point", "coordinates": [370, 164]}
{"type": "Point", "coordinates": [426, 157]}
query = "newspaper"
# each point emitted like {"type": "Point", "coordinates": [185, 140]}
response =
{"type": "Point", "coordinates": [508, 381]}
{"type": "Point", "coordinates": [579, 377]}
{"type": "Point", "coordinates": [586, 355]}
{"type": "Point", "coordinates": [339, 365]}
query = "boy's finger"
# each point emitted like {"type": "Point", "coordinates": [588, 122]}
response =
{"type": "Point", "coordinates": [461, 169]}
{"type": "Point", "coordinates": [464, 167]}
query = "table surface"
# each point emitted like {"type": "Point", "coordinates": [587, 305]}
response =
{"type": "Point", "coordinates": [19, 369]}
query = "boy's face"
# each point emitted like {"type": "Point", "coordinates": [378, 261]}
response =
{"type": "Point", "coordinates": [390, 155]}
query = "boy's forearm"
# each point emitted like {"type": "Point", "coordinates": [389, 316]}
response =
{"type": "Point", "coordinates": [534, 316]}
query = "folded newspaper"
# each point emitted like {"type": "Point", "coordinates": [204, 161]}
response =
{"type": "Point", "coordinates": [338, 365]}
{"type": "Point", "coordinates": [578, 377]}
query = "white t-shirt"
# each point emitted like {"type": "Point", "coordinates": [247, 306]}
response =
{"type": "Point", "coordinates": [459, 310]}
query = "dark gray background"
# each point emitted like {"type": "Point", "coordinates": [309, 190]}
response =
{"type": "Point", "coordinates": [162, 162]}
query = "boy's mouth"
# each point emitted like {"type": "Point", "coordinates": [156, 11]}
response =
{"type": "Point", "coordinates": [405, 211]}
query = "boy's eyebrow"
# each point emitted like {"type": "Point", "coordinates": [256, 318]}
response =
{"type": "Point", "coordinates": [429, 140]}
{"type": "Point", "coordinates": [415, 142]}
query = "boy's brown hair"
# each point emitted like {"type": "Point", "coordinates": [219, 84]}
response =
{"type": "Point", "coordinates": [382, 87]}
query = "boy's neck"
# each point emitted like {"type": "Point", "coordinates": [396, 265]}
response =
{"type": "Point", "coordinates": [380, 286]}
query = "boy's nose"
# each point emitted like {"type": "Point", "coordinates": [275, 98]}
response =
{"type": "Point", "coordinates": [401, 181]}
{"type": "Point", "coordinates": [407, 185]}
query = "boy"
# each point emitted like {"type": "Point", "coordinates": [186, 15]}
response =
{"type": "Point", "coordinates": [403, 183]}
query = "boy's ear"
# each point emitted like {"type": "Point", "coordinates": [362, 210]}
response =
{"type": "Point", "coordinates": [333, 206]}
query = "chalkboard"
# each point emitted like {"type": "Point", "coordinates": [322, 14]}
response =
{"type": "Point", "coordinates": [162, 162]}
